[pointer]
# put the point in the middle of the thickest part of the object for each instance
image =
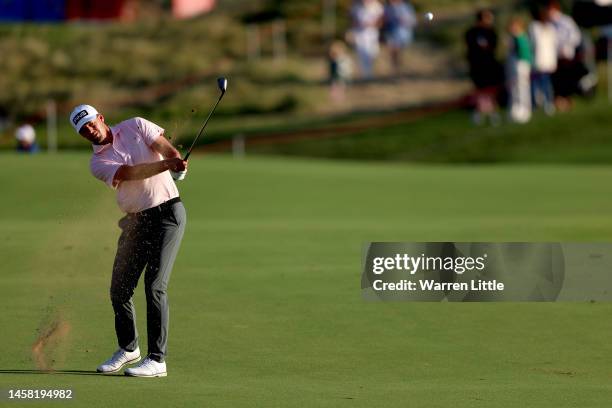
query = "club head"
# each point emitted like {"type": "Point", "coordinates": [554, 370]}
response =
{"type": "Point", "coordinates": [222, 84]}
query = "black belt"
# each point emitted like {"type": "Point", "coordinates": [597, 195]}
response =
{"type": "Point", "coordinates": [157, 210]}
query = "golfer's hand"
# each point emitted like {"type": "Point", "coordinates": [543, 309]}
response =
{"type": "Point", "coordinates": [178, 175]}
{"type": "Point", "coordinates": [176, 164]}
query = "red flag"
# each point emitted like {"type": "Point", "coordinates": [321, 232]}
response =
{"type": "Point", "coordinates": [190, 8]}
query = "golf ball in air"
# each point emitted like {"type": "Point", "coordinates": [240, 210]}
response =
{"type": "Point", "coordinates": [429, 16]}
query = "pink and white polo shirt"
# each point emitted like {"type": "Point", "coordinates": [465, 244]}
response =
{"type": "Point", "coordinates": [132, 140]}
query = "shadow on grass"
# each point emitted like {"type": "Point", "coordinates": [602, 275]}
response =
{"type": "Point", "coordinates": [60, 372]}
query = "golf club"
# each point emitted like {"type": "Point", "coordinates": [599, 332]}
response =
{"type": "Point", "coordinates": [222, 85]}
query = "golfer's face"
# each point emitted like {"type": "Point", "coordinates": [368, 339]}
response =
{"type": "Point", "coordinates": [94, 131]}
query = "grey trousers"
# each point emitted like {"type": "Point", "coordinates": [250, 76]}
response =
{"type": "Point", "coordinates": [149, 239]}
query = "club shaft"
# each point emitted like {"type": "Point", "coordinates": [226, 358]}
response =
{"type": "Point", "coordinates": [203, 127]}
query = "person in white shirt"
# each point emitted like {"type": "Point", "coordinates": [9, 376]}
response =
{"type": "Point", "coordinates": [565, 80]}
{"type": "Point", "coordinates": [367, 20]}
{"type": "Point", "coordinates": [543, 38]}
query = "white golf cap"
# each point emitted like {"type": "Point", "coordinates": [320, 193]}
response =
{"type": "Point", "coordinates": [26, 134]}
{"type": "Point", "coordinates": [81, 115]}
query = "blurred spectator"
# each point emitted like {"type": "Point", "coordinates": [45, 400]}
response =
{"type": "Point", "coordinates": [603, 42]}
{"type": "Point", "coordinates": [26, 139]}
{"type": "Point", "coordinates": [485, 71]}
{"type": "Point", "coordinates": [398, 26]}
{"type": "Point", "coordinates": [4, 119]}
{"type": "Point", "coordinates": [544, 42]}
{"type": "Point", "coordinates": [586, 67]}
{"type": "Point", "coordinates": [520, 59]}
{"type": "Point", "coordinates": [367, 19]}
{"type": "Point", "coordinates": [565, 79]}
{"type": "Point", "coordinates": [340, 70]}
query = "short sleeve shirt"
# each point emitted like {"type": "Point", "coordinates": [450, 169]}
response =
{"type": "Point", "coordinates": [132, 140]}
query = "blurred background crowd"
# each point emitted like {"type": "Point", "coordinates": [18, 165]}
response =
{"type": "Point", "coordinates": [547, 62]}
{"type": "Point", "coordinates": [302, 72]}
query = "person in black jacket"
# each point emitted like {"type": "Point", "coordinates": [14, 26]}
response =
{"type": "Point", "coordinates": [485, 71]}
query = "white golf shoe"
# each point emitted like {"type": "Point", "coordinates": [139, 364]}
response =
{"type": "Point", "coordinates": [119, 360]}
{"type": "Point", "coordinates": [147, 368]}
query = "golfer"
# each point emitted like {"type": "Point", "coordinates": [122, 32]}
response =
{"type": "Point", "coordinates": [135, 159]}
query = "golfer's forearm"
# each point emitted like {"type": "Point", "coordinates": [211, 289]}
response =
{"type": "Point", "coordinates": [141, 171]}
{"type": "Point", "coordinates": [168, 151]}
{"type": "Point", "coordinates": [172, 153]}
{"type": "Point", "coordinates": [162, 146]}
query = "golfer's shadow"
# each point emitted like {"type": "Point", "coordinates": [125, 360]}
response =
{"type": "Point", "coordinates": [59, 372]}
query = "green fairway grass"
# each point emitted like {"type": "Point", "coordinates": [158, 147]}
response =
{"type": "Point", "coordinates": [579, 136]}
{"type": "Point", "coordinates": [265, 300]}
